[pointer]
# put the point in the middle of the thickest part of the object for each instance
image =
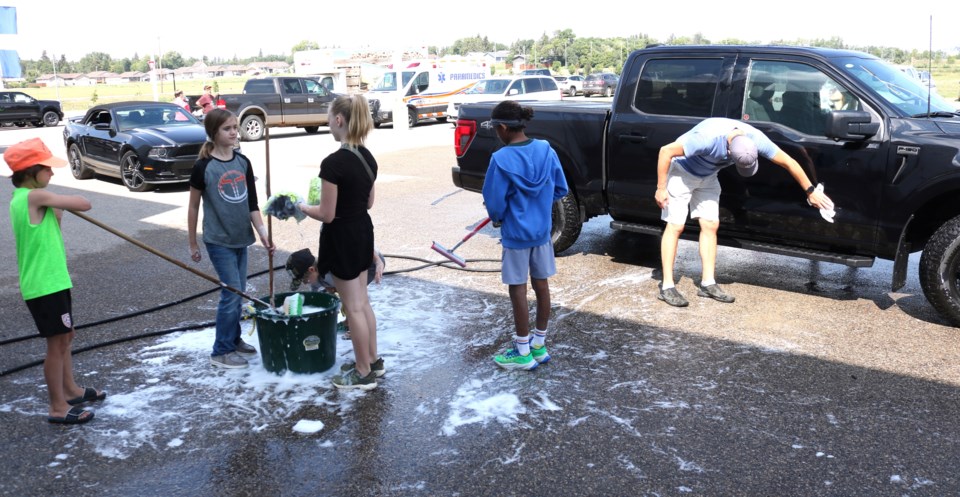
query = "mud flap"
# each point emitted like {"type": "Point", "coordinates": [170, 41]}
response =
{"type": "Point", "coordinates": [901, 259]}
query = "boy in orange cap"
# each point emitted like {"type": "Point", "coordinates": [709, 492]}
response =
{"type": "Point", "coordinates": [35, 214]}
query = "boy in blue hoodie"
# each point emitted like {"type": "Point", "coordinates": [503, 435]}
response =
{"type": "Point", "coordinates": [523, 181]}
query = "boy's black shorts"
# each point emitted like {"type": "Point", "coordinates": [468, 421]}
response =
{"type": "Point", "coordinates": [53, 313]}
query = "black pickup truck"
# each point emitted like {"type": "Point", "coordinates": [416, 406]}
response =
{"type": "Point", "coordinates": [887, 152]}
{"type": "Point", "coordinates": [282, 101]}
{"type": "Point", "coordinates": [18, 108]}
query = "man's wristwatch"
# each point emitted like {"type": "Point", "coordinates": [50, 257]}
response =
{"type": "Point", "coordinates": [811, 189]}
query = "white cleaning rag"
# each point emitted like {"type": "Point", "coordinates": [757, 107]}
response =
{"type": "Point", "coordinates": [826, 214]}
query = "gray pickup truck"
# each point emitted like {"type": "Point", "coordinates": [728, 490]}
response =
{"type": "Point", "coordinates": [281, 101]}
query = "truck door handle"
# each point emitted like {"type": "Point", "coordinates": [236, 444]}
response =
{"type": "Point", "coordinates": [633, 138]}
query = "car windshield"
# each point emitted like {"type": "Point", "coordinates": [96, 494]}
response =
{"type": "Point", "coordinates": [488, 87]}
{"type": "Point", "coordinates": [152, 117]}
{"type": "Point", "coordinates": [389, 81]}
{"type": "Point", "coordinates": [900, 90]}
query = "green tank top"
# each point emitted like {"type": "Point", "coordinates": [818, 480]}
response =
{"type": "Point", "coordinates": [41, 256]}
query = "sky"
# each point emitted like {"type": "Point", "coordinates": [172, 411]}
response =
{"type": "Point", "coordinates": [122, 28]}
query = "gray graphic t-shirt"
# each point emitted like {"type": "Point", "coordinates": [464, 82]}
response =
{"type": "Point", "coordinates": [229, 196]}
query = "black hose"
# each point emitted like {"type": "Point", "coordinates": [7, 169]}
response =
{"type": "Point", "coordinates": [427, 263]}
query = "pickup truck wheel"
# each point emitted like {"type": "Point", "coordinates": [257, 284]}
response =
{"type": "Point", "coordinates": [131, 173]}
{"type": "Point", "coordinates": [411, 118]}
{"type": "Point", "coordinates": [251, 129]}
{"type": "Point", "coordinates": [50, 119]}
{"type": "Point", "coordinates": [311, 129]}
{"type": "Point", "coordinates": [940, 270]}
{"type": "Point", "coordinates": [566, 223]}
{"type": "Point", "coordinates": [77, 168]}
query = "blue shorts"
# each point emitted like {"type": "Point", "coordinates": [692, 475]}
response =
{"type": "Point", "coordinates": [537, 261]}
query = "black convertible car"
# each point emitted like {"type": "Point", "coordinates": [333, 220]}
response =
{"type": "Point", "coordinates": [142, 143]}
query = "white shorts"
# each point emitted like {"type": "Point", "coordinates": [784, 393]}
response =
{"type": "Point", "coordinates": [685, 190]}
{"type": "Point", "coordinates": [537, 261]}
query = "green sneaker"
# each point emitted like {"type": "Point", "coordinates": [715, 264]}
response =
{"type": "Point", "coordinates": [540, 353]}
{"type": "Point", "coordinates": [376, 367]}
{"type": "Point", "coordinates": [354, 380]}
{"type": "Point", "coordinates": [511, 359]}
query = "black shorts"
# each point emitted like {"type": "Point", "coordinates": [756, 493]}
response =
{"type": "Point", "coordinates": [53, 313]}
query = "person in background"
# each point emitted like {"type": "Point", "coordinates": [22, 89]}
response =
{"type": "Point", "coordinates": [346, 239]}
{"type": "Point", "coordinates": [45, 284]}
{"type": "Point", "coordinates": [523, 181]}
{"type": "Point", "coordinates": [687, 179]}
{"type": "Point", "coordinates": [223, 179]}
{"type": "Point", "coordinates": [178, 99]}
{"type": "Point", "coordinates": [205, 102]}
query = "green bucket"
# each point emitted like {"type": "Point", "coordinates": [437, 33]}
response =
{"type": "Point", "coordinates": [299, 344]}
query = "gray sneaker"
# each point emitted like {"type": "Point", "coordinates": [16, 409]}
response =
{"type": "Point", "coordinates": [352, 379]}
{"type": "Point", "coordinates": [673, 297]}
{"type": "Point", "coordinates": [243, 348]}
{"type": "Point", "coordinates": [230, 360]}
{"type": "Point", "coordinates": [376, 367]}
{"type": "Point", "coordinates": [714, 292]}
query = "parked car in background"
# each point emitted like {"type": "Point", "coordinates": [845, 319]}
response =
{"type": "Point", "coordinates": [570, 85]}
{"type": "Point", "coordinates": [142, 143]}
{"type": "Point", "coordinates": [604, 83]}
{"type": "Point", "coordinates": [536, 72]}
{"type": "Point", "coordinates": [497, 89]}
{"type": "Point", "coordinates": [272, 101]}
{"type": "Point", "coordinates": [18, 108]}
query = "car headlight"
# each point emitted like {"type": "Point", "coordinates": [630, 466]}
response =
{"type": "Point", "coordinates": [160, 153]}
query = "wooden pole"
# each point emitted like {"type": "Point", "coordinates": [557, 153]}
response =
{"type": "Point", "coordinates": [266, 135]}
{"type": "Point", "coordinates": [171, 259]}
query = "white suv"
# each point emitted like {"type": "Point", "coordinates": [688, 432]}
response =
{"type": "Point", "coordinates": [571, 85]}
{"type": "Point", "coordinates": [496, 89]}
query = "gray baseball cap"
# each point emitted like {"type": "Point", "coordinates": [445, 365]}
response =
{"type": "Point", "coordinates": [743, 151]}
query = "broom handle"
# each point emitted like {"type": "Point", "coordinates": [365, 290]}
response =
{"type": "Point", "coordinates": [470, 235]}
{"type": "Point", "coordinates": [170, 259]}
{"type": "Point", "coordinates": [266, 131]}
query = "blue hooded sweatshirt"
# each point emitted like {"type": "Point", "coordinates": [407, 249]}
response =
{"type": "Point", "coordinates": [522, 182]}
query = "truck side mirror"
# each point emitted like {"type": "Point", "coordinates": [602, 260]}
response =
{"type": "Point", "coordinates": [850, 125]}
{"type": "Point", "coordinates": [513, 91]}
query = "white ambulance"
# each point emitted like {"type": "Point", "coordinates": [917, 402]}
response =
{"type": "Point", "coordinates": [426, 87]}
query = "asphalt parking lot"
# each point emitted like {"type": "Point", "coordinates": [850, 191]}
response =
{"type": "Point", "coordinates": [817, 381]}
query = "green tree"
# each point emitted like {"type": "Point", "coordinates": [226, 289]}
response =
{"type": "Point", "coordinates": [44, 65]}
{"type": "Point", "coordinates": [303, 45]}
{"type": "Point", "coordinates": [94, 61]}
{"type": "Point", "coordinates": [172, 60]}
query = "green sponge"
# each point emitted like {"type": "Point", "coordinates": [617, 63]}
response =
{"type": "Point", "coordinates": [313, 196]}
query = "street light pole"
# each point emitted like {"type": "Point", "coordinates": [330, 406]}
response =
{"type": "Point", "coordinates": [56, 80]}
{"type": "Point", "coordinates": [160, 64]}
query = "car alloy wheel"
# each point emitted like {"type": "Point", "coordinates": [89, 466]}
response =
{"type": "Point", "coordinates": [131, 173]}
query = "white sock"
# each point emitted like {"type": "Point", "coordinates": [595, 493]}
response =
{"type": "Point", "coordinates": [708, 282]}
{"type": "Point", "coordinates": [665, 286]}
{"type": "Point", "coordinates": [523, 344]}
{"type": "Point", "coordinates": [539, 337]}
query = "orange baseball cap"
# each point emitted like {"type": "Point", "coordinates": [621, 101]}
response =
{"type": "Point", "coordinates": [29, 153]}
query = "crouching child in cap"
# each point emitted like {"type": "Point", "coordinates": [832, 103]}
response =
{"type": "Point", "coordinates": [45, 284]}
{"type": "Point", "coordinates": [302, 268]}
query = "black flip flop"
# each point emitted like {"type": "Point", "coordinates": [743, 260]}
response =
{"type": "Point", "coordinates": [72, 417]}
{"type": "Point", "coordinates": [89, 395]}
